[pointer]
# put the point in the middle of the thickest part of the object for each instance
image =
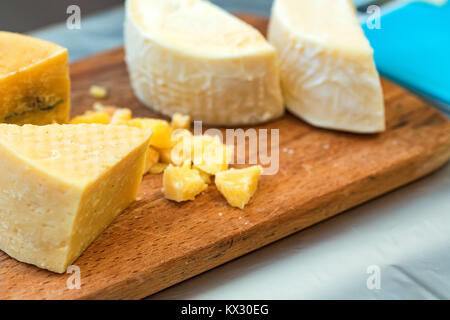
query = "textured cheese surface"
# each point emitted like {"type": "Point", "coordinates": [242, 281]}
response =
{"type": "Point", "coordinates": [191, 57]}
{"type": "Point", "coordinates": [62, 185]}
{"type": "Point", "coordinates": [327, 70]}
{"type": "Point", "coordinates": [76, 154]}
{"type": "Point", "coordinates": [238, 185]}
{"type": "Point", "coordinates": [34, 80]}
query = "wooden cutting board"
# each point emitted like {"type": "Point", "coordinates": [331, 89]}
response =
{"type": "Point", "coordinates": [157, 243]}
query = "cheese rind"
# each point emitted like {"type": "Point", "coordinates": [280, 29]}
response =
{"type": "Point", "coordinates": [34, 81]}
{"type": "Point", "coordinates": [328, 75]}
{"type": "Point", "coordinates": [62, 185]}
{"type": "Point", "coordinates": [193, 58]}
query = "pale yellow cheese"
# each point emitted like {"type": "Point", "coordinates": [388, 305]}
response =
{"type": "Point", "coordinates": [151, 159]}
{"type": "Point", "coordinates": [182, 183]}
{"type": "Point", "coordinates": [98, 92]}
{"type": "Point", "coordinates": [206, 177]}
{"type": "Point", "coordinates": [238, 185]}
{"type": "Point", "coordinates": [210, 154]}
{"type": "Point", "coordinates": [162, 131]}
{"type": "Point", "coordinates": [328, 75]}
{"type": "Point", "coordinates": [194, 58]}
{"type": "Point", "coordinates": [180, 121]}
{"type": "Point", "coordinates": [34, 80]}
{"type": "Point", "coordinates": [158, 168]}
{"type": "Point", "coordinates": [121, 116]}
{"type": "Point", "coordinates": [62, 185]}
{"type": "Point", "coordinates": [92, 117]}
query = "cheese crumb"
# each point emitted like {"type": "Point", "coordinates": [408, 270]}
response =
{"type": "Point", "coordinates": [182, 183]}
{"type": "Point", "coordinates": [98, 92]}
{"type": "Point", "coordinates": [158, 168]}
{"type": "Point", "coordinates": [238, 185]}
{"type": "Point", "coordinates": [180, 121]}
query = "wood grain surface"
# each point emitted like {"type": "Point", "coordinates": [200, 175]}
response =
{"type": "Point", "coordinates": [156, 243]}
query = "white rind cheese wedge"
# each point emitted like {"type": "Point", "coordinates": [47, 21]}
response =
{"type": "Point", "coordinates": [191, 57]}
{"type": "Point", "coordinates": [327, 70]}
{"type": "Point", "coordinates": [62, 185]}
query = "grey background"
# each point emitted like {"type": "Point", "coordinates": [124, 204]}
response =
{"type": "Point", "coordinates": [26, 15]}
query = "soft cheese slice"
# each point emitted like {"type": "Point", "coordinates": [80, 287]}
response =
{"type": "Point", "coordinates": [191, 57]}
{"type": "Point", "coordinates": [34, 80]}
{"type": "Point", "coordinates": [62, 185]}
{"type": "Point", "coordinates": [327, 70]}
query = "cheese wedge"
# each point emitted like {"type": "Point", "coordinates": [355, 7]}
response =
{"type": "Point", "coordinates": [327, 70]}
{"type": "Point", "coordinates": [34, 81]}
{"type": "Point", "coordinates": [191, 57]}
{"type": "Point", "coordinates": [62, 185]}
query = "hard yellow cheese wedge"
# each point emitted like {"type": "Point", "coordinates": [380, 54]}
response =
{"type": "Point", "coordinates": [328, 74]}
{"type": "Point", "coordinates": [194, 58]}
{"type": "Point", "coordinates": [62, 185]}
{"type": "Point", "coordinates": [238, 185]}
{"type": "Point", "coordinates": [34, 81]}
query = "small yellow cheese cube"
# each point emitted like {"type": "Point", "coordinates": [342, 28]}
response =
{"type": "Point", "coordinates": [182, 149]}
{"type": "Point", "coordinates": [92, 117]}
{"type": "Point", "coordinates": [98, 92]}
{"type": "Point", "coordinates": [238, 185]}
{"type": "Point", "coordinates": [210, 154]}
{"type": "Point", "coordinates": [180, 121]}
{"type": "Point", "coordinates": [109, 110]}
{"type": "Point", "coordinates": [162, 131]}
{"type": "Point", "coordinates": [166, 155]}
{"type": "Point", "coordinates": [151, 158]}
{"type": "Point", "coordinates": [158, 168]}
{"type": "Point", "coordinates": [182, 183]}
{"type": "Point", "coordinates": [205, 176]}
{"type": "Point", "coordinates": [121, 116]}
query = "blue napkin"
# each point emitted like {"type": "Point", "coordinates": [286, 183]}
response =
{"type": "Point", "coordinates": [413, 48]}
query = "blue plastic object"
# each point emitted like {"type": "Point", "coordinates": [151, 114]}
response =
{"type": "Point", "coordinates": [413, 48]}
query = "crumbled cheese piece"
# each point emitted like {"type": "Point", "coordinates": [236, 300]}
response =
{"type": "Point", "coordinates": [92, 117]}
{"type": "Point", "coordinates": [158, 168]}
{"type": "Point", "coordinates": [238, 185]}
{"type": "Point", "coordinates": [180, 121]}
{"type": "Point", "coordinates": [182, 183]}
{"type": "Point", "coordinates": [109, 110]}
{"type": "Point", "coordinates": [151, 159]}
{"type": "Point", "coordinates": [205, 176]}
{"type": "Point", "coordinates": [98, 92]}
{"type": "Point", "coordinates": [121, 116]}
{"type": "Point", "coordinates": [162, 131]}
{"type": "Point", "coordinates": [210, 154]}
